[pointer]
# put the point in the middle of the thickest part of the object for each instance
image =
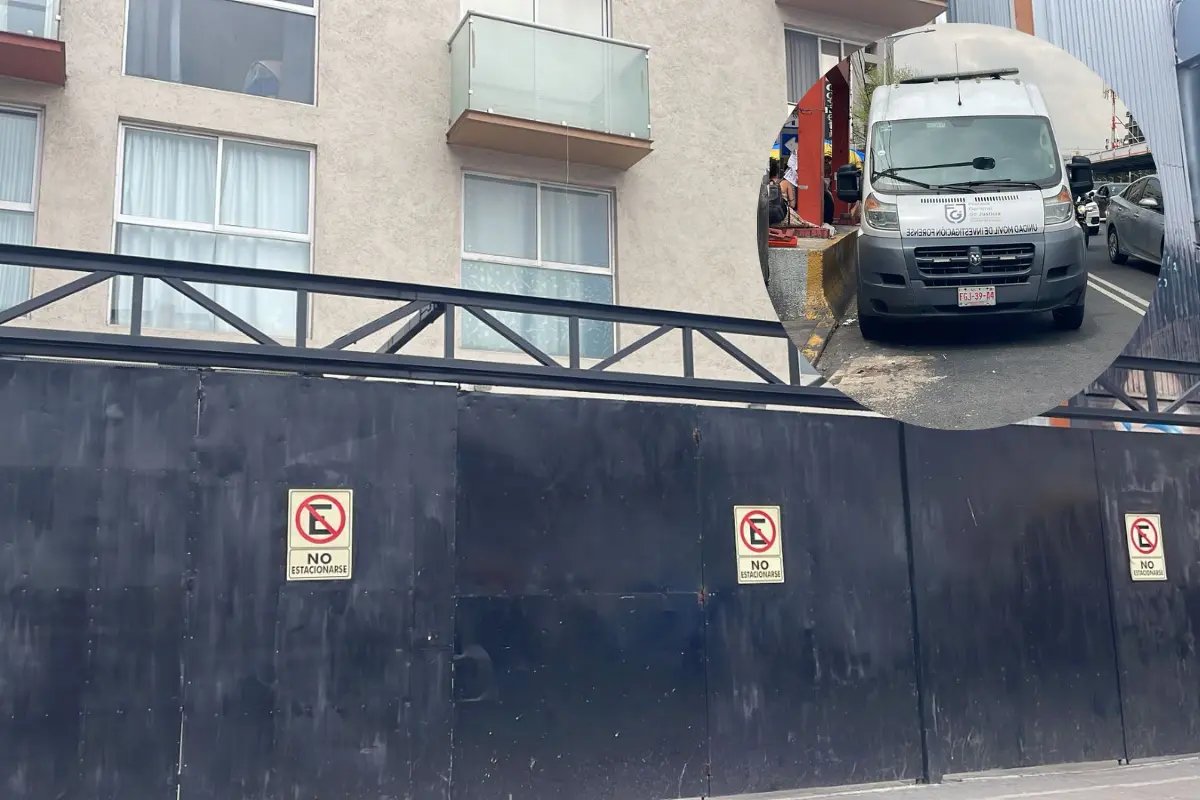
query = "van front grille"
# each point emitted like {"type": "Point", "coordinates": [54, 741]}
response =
{"type": "Point", "coordinates": [950, 265]}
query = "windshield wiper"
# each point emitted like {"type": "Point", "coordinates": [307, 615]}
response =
{"type": "Point", "coordinates": [992, 182]}
{"type": "Point", "coordinates": [980, 163]}
{"type": "Point", "coordinates": [891, 173]}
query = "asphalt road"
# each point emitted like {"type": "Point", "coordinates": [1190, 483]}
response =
{"type": "Point", "coordinates": [961, 374]}
{"type": "Point", "coordinates": [1175, 779]}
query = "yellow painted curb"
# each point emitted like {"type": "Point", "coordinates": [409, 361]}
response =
{"type": "Point", "coordinates": [829, 286]}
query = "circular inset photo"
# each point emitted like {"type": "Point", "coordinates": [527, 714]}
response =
{"type": "Point", "coordinates": [947, 231]}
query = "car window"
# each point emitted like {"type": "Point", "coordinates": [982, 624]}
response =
{"type": "Point", "coordinates": [1153, 190]}
{"type": "Point", "coordinates": [1133, 192]}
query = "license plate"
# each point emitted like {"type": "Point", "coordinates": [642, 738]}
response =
{"type": "Point", "coordinates": [969, 296]}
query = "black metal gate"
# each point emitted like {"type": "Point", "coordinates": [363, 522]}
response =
{"type": "Point", "coordinates": [544, 601]}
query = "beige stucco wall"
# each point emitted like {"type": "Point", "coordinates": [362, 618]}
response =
{"type": "Point", "coordinates": [388, 188]}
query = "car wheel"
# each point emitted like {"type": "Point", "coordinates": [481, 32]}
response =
{"type": "Point", "coordinates": [1069, 318]}
{"type": "Point", "coordinates": [1114, 248]}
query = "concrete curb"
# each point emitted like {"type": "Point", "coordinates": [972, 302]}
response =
{"type": "Point", "coordinates": [811, 288]}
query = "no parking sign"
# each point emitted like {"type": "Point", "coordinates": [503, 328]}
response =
{"type": "Point", "coordinates": [1143, 539]}
{"type": "Point", "coordinates": [320, 534]}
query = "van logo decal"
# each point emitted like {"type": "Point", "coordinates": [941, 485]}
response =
{"type": "Point", "coordinates": [956, 212]}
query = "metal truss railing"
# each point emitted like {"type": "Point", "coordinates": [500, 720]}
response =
{"type": "Point", "coordinates": [1151, 404]}
{"type": "Point", "coordinates": [417, 308]}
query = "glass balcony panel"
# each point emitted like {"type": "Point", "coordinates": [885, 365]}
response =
{"type": "Point", "coordinates": [533, 73]}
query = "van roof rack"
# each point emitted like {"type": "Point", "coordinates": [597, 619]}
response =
{"type": "Point", "coordinates": [994, 74]}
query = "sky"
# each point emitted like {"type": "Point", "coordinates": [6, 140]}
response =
{"type": "Point", "coordinates": [1074, 94]}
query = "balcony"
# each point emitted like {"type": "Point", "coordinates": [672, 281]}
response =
{"type": "Point", "coordinates": [531, 90]}
{"type": "Point", "coordinates": [893, 14]}
{"type": "Point", "coordinates": [29, 46]}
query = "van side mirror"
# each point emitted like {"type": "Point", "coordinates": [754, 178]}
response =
{"type": "Point", "coordinates": [1079, 173]}
{"type": "Point", "coordinates": [849, 183]}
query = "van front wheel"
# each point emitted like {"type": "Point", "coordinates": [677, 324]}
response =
{"type": "Point", "coordinates": [1069, 318]}
{"type": "Point", "coordinates": [870, 326]}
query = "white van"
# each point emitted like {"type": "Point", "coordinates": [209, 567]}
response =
{"type": "Point", "coordinates": [967, 204]}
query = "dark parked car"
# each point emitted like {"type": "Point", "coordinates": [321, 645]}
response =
{"type": "Point", "coordinates": [1134, 227]}
{"type": "Point", "coordinates": [1105, 193]}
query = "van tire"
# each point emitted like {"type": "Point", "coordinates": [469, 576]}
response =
{"type": "Point", "coordinates": [871, 327]}
{"type": "Point", "coordinates": [1069, 318]}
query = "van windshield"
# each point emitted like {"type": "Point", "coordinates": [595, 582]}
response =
{"type": "Point", "coordinates": [1023, 148]}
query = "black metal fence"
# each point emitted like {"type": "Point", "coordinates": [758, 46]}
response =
{"type": "Point", "coordinates": [418, 307]}
{"type": "Point", "coordinates": [545, 599]}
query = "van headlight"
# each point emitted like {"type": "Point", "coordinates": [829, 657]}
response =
{"type": "Point", "coordinates": [879, 215]}
{"type": "Point", "coordinates": [1059, 208]}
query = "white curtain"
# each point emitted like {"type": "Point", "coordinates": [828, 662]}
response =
{"type": "Point", "coordinates": [18, 163]}
{"type": "Point", "coordinates": [174, 178]}
{"type": "Point", "coordinates": [501, 219]}
{"type": "Point", "coordinates": [153, 39]}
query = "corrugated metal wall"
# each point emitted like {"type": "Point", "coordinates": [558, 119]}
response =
{"type": "Point", "coordinates": [1187, 50]}
{"type": "Point", "coordinates": [984, 12]}
{"type": "Point", "coordinates": [1131, 43]}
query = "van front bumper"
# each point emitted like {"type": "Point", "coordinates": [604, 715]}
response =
{"type": "Point", "coordinates": [921, 277]}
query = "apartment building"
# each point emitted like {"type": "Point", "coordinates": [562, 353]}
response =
{"type": "Point", "coordinates": [602, 150]}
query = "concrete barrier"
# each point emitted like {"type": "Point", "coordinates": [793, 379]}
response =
{"type": "Point", "coordinates": [811, 287]}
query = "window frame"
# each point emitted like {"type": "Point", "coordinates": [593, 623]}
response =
{"type": "Point", "coordinates": [1135, 188]}
{"type": "Point", "coordinates": [278, 5]}
{"type": "Point", "coordinates": [464, 8]}
{"type": "Point", "coordinates": [216, 227]}
{"type": "Point", "coordinates": [39, 116]}
{"type": "Point", "coordinates": [538, 263]}
{"type": "Point", "coordinates": [1152, 180]}
{"type": "Point", "coordinates": [39, 119]}
{"type": "Point", "coordinates": [821, 38]}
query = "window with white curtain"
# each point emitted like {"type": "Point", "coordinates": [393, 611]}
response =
{"type": "Point", "coordinates": [261, 47]}
{"type": "Point", "coordinates": [581, 16]}
{"type": "Point", "coordinates": [218, 200]}
{"type": "Point", "coordinates": [19, 138]}
{"type": "Point", "coordinates": [540, 240]}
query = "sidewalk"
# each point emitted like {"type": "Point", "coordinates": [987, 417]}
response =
{"type": "Point", "coordinates": [1174, 779]}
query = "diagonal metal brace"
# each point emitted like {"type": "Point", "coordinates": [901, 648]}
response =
{"type": "Point", "coordinates": [1184, 399]}
{"type": "Point", "coordinates": [212, 306]}
{"type": "Point", "coordinates": [633, 347]}
{"type": "Point", "coordinates": [412, 329]}
{"type": "Point", "coordinates": [375, 325]}
{"type": "Point", "coordinates": [1107, 384]}
{"type": "Point", "coordinates": [738, 355]}
{"type": "Point", "coordinates": [512, 336]}
{"type": "Point", "coordinates": [53, 296]}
